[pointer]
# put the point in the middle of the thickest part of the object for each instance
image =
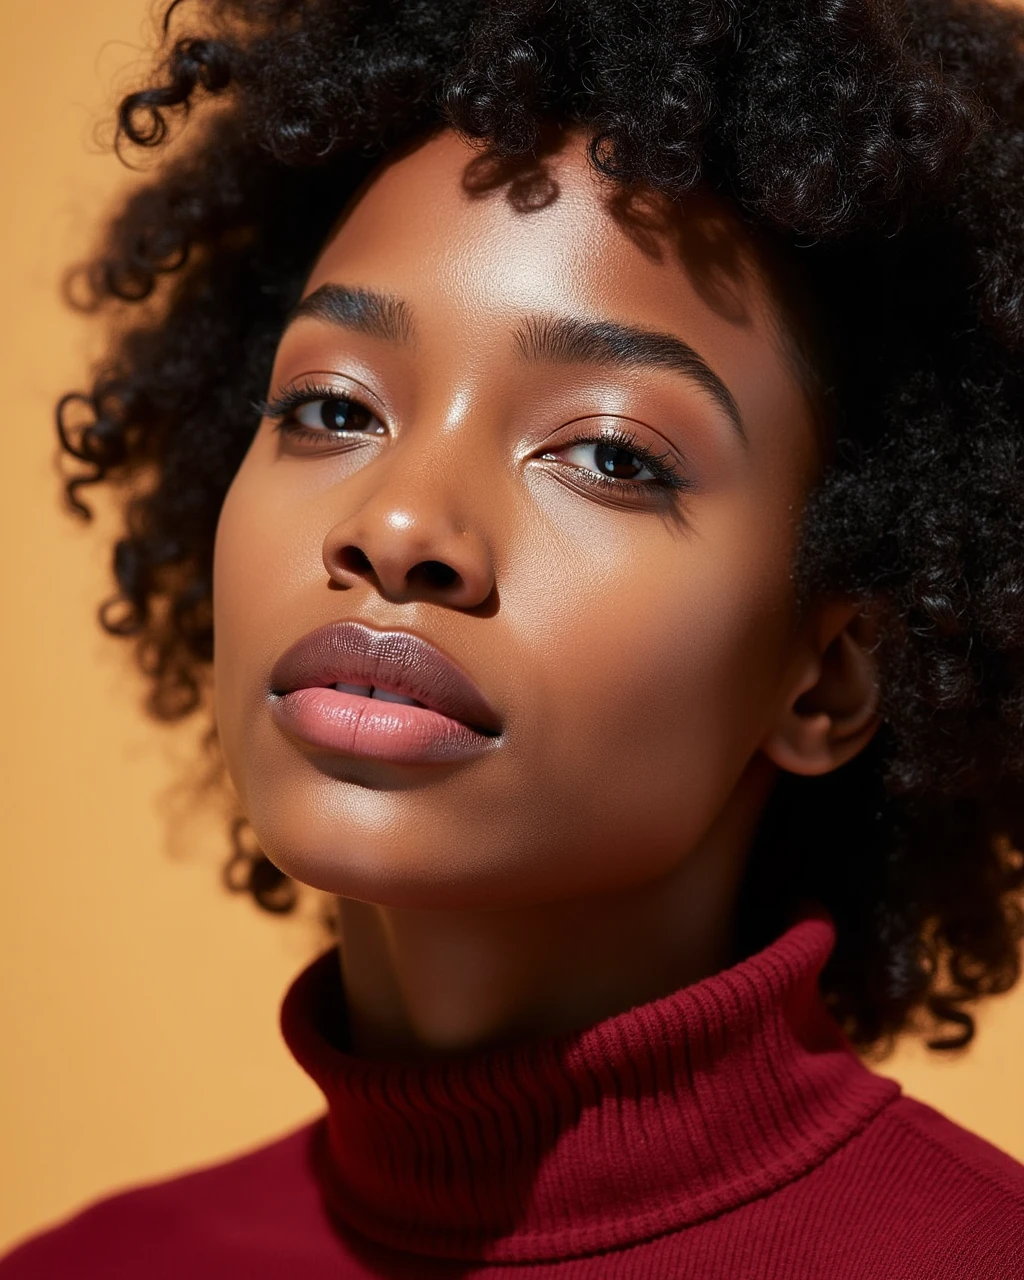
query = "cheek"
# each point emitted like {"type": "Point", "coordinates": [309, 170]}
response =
{"type": "Point", "coordinates": [658, 679]}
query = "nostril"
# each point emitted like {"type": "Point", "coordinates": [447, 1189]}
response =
{"type": "Point", "coordinates": [435, 573]}
{"type": "Point", "coordinates": [353, 560]}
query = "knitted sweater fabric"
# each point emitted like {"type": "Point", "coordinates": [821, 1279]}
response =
{"type": "Point", "coordinates": [724, 1131]}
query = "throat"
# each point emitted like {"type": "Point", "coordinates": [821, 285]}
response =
{"type": "Point", "coordinates": [432, 984]}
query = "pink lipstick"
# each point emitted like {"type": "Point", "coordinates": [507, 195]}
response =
{"type": "Point", "coordinates": [383, 695]}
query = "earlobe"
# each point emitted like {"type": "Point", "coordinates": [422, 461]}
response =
{"type": "Point", "coordinates": [831, 712]}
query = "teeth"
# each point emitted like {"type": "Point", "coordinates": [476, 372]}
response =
{"type": "Point", "coordinates": [368, 691]}
{"type": "Point", "coordinates": [384, 696]}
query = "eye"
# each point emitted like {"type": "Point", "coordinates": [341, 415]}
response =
{"type": "Point", "coordinates": [611, 460]}
{"type": "Point", "coordinates": [336, 414]}
{"type": "Point", "coordinates": [321, 417]}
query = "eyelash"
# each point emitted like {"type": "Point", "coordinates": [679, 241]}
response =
{"type": "Point", "coordinates": [666, 474]}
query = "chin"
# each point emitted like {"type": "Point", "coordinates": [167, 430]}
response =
{"type": "Point", "coordinates": [384, 847]}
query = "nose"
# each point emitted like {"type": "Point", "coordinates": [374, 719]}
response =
{"type": "Point", "coordinates": [411, 544]}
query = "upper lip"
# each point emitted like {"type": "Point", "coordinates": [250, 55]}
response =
{"type": "Point", "coordinates": [353, 653]}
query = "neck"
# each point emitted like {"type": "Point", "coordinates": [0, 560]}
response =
{"type": "Point", "coordinates": [420, 983]}
{"type": "Point", "coordinates": [665, 1116]}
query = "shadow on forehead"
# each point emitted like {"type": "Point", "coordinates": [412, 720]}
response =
{"type": "Point", "coordinates": [527, 181]}
{"type": "Point", "coordinates": [699, 231]}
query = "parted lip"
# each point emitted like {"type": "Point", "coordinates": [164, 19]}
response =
{"type": "Point", "coordinates": [353, 653]}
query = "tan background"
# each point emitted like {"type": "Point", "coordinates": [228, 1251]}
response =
{"type": "Point", "coordinates": [138, 1001]}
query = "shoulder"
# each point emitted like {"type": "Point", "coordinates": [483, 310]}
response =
{"type": "Point", "coordinates": [910, 1194]}
{"type": "Point", "coordinates": [937, 1192]}
{"type": "Point", "coordinates": [958, 1151]}
{"type": "Point", "coordinates": [263, 1205]}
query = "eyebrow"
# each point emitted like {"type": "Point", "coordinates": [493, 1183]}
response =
{"type": "Point", "coordinates": [568, 340]}
{"type": "Point", "coordinates": [378, 315]}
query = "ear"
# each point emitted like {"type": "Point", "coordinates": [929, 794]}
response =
{"type": "Point", "coordinates": [831, 709]}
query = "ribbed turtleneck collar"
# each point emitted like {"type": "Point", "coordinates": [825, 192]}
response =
{"type": "Point", "coordinates": [646, 1123]}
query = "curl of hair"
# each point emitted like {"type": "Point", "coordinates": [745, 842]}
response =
{"type": "Point", "coordinates": [879, 143]}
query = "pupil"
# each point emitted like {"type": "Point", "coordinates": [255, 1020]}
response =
{"type": "Point", "coordinates": [339, 415]}
{"type": "Point", "coordinates": [616, 462]}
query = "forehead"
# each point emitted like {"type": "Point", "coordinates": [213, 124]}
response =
{"type": "Point", "coordinates": [537, 233]}
{"type": "Point", "coordinates": [474, 245]}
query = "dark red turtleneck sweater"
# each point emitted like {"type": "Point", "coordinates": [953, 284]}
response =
{"type": "Point", "coordinates": [725, 1131]}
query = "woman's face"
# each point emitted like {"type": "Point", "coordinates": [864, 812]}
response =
{"type": "Point", "coordinates": [552, 430]}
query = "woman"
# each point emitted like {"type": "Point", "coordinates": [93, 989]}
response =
{"type": "Point", "coordinates": [590, 434]}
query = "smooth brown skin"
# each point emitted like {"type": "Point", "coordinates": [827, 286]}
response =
{"type": "Point", "coordinates": [645, 654]}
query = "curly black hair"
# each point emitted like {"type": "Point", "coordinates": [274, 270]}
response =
{"type": "Point", "coordinates": [879, 143]}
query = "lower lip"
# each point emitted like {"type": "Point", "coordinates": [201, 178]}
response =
{"type": "Point", "coordinates": [389, 731]}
